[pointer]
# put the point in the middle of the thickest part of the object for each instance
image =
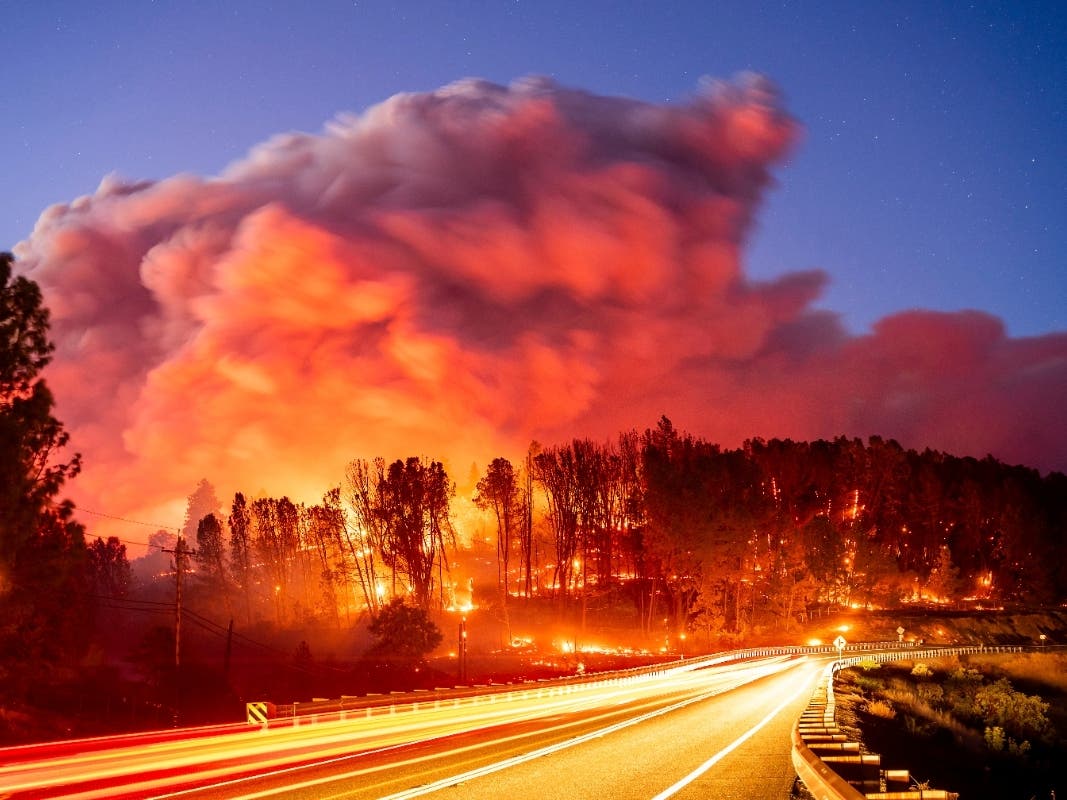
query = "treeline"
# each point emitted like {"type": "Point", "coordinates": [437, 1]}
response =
{"type": "Point", "coordinates": [385, 533]}
{"type": "Point", "coordinates": [663, 523]}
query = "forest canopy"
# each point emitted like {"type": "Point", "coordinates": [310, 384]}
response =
{"type": "Point", "coordinates": [662, 522]}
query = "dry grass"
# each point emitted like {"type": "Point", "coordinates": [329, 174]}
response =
{"type": "Point", "coordinates": [879, 708]}
{"type": "Point", "coordinates": [1048, 669]}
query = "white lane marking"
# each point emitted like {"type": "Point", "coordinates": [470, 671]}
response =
{"type": "Point", "coordinates": [740, 740]}
{"type": "Point", "coordinates": [760, 671]}
{"type": "Point", "coordinates": [488, 769]}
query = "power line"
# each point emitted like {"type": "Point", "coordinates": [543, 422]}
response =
{"type": "Point", "coordinates": [139, 544]}
{"type": "Point", "coordinates": [132, 601]}
{"type": "Point", "coordinates": [155, 525]}
{"type": "Point", "coordinates": [207, 624]}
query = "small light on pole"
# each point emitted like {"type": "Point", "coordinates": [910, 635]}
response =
{"type": "Point", "coordinates": [1042, 637]}
{"type": "Point", "coordinates": [462, 648]}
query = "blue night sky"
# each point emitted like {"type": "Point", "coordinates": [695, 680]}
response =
{"type": "Point", "coordinates": [932, 172]}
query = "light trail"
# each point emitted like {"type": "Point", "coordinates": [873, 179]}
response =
{"type": "Point", "coordinates": [226, 756]}
{"type": "Point", "coordinates": [673, 789]}
{"type": "Point", "coordinates": [597, 734]}
{"type": "Point", "coordinates": [690, 679]}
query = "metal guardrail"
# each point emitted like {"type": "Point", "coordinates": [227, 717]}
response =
{"type": "Point", "coordinates": [819, 751]}
{"type": "Point", "coordinates": [816, 731]}
{"type": "Point", "coordinates": [399, 701]}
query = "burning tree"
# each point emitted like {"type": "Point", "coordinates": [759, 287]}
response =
{"type": "Point", "coordinates": [498, 491]}
{"type": "Point", "coordinates": [402, 520]}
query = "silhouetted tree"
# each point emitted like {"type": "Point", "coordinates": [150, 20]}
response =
{"type": "Point", "coordinates": [403, 631]}
{"type": "Point", "coordinates": [109, 568]}
{"type": "Point", "coordinates": [498, 491]}
{"type": "Point", "coordinates": [210, 556]}
{"type": "Point", "coordinates": [241, 550]}
{"type": "Point", "coordinates": [43, 560]}
{"type": "Point", "coordinates": [363, 544]}
{"type": "Point", "coordinates": [413, 504]}
{"type": "Point", "coordinates": [555, 470]}
{"type": "Point", "coordinates": [272, 546]}
{"type": "Point", "coordinates": [325, 524]}
{"type": "Point", "coordinates": [526, 526]}
{"type": "Point", "coordinates": [202, 502]}
{"type": "Point", "coordinates": [944, 581]}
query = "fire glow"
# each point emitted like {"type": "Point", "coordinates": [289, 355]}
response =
{"type": "Point", "coordinates": [459, 272]}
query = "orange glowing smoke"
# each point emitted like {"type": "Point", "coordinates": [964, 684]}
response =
{"type": "Point", "coordinates": [455, 273]}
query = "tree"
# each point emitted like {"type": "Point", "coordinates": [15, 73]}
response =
{"type": "Point", "coordinates": [696, 520]}
{"type": "Point", "coordinates": [413, 505]}
{"type": "Point", "coordinates": [202, 502]}
{"type": "Point", "coordinates": [943, 583]}
{"type": "Point", "coordinates": [43, 557]}
{"type": "Point", "coordinates": [403, 631]}
{"type": "Point", "coordinates": [555, 470]}
{"type": "Point", "coordinates": [241, 549]}
{"type": "Point", "coordinates": [526, 526]}
{"type": "Point", "coordinates": [325, 525]}
{"type": "Point", "coordinates": [498, 492]}
{"type": "Point", "coordinates": [210, 556]}
{"type": "Point", "coordinates": [825, 554]}
{"type": "Point", "coordinates": [363, 543]}
{"type": "Point", "coordinates": [109, 568]}
{"type": "Point", "coordinates": [271, 545]}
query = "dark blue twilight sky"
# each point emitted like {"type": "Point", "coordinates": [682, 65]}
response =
{"type": "Point", "coordinates": [932, 172]}
{"type": "Point", "coordinates": [457, 273]}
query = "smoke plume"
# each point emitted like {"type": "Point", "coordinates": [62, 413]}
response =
{"type": "Point", "coordinates": [456, 273]}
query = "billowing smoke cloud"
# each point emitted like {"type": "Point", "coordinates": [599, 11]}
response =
{"type": "Point", "coordinates": [456, 273]}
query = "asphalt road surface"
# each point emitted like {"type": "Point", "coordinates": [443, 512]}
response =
{"type": "Point", "coordinates": [712, 731]}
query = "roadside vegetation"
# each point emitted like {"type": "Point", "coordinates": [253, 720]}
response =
{"type": "Point", "coordinates": [983, 726]}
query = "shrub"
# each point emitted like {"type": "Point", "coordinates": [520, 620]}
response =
{"type": "Point", "coordinates": [1018, 749]}
{"type": "Point", "coordinates": [964, 678]}
{"type": "Point", "coordinates": [869, 684]}
{"type": "Point", "coordinates": [403, 631]}
{"type": "Point", "coordinates": [961, 687]}
{"type": "Point", "coordinates": [921, 670]}
{"type": "Point", "coordinates": [931, 694]}
{"type": "Point", "coordinates": [994, 738]}
{"type": "Point", "coordinates": [999, 705]}
{"type": "Point", "coordinates": [879, 708]}
{"type": "Point", "coordinates": [867, 664]}
{"type": "Point", "coordinates": [918, 728]}
{"type": "Point", "coordinates": [997, 741]}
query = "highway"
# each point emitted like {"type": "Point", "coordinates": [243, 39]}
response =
{"type": "Point", "coordinates": [692, 730]}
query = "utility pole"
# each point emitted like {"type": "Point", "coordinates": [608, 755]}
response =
{"type": "Point", "coordinates": [179, 568]}
{"type": "Point", "coordinates": [462, 649]}
{"type": "Point", "coordinates": [179, 553]}
{"type": "Point", "coordinates": [229, 649]}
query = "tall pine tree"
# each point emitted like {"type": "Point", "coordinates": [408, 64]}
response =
{"type": "Point", "coordinates": [43, 557]}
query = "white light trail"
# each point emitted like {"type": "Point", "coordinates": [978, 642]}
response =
{"type": "Point", "coordinates": [488, 769]}
{"type": "Point", "coordinates": [740, 740]}
{"type": "Point", "coordinates": [147, 768]}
